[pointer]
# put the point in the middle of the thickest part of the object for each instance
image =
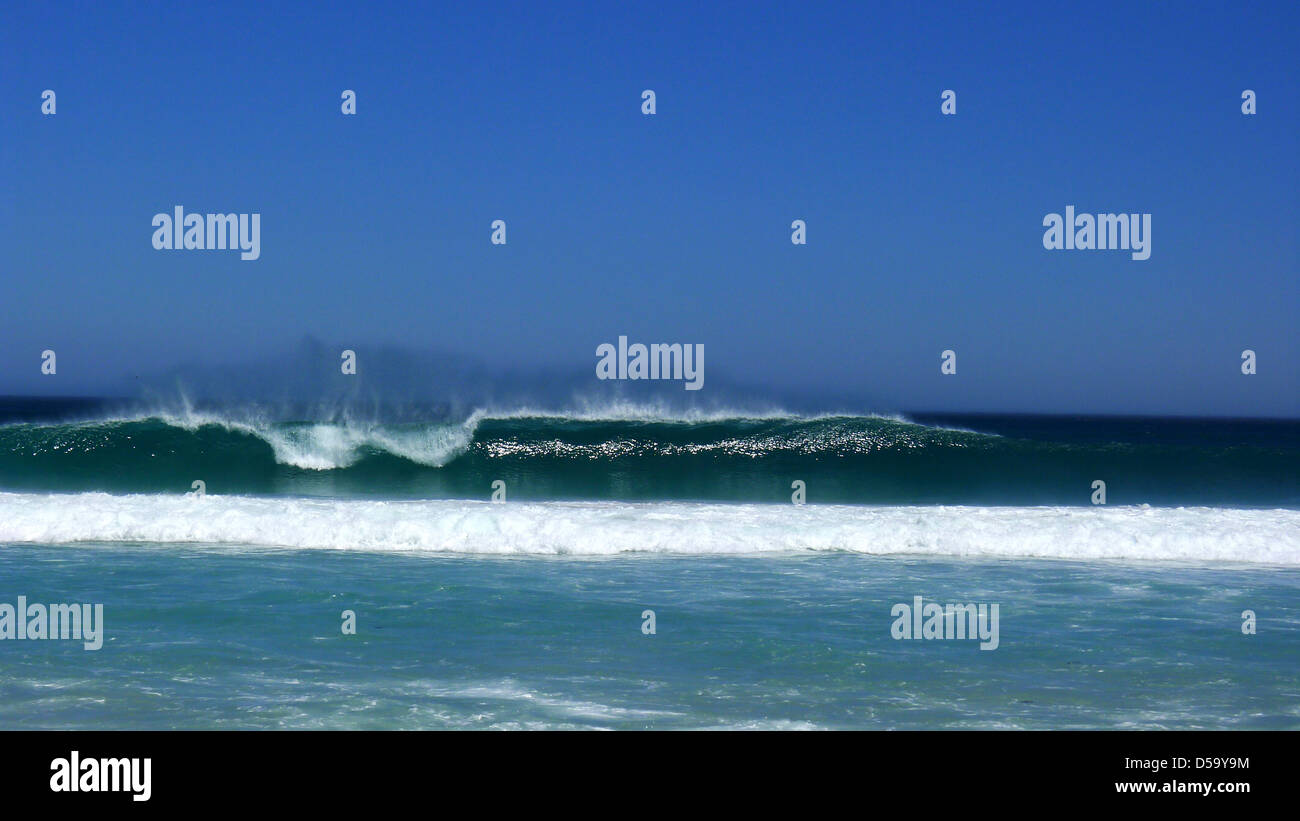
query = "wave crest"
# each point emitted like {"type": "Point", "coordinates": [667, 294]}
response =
{"type": "Point", "coordinates": [343, 441]}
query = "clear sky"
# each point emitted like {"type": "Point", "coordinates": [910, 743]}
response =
{"type": "Point", "coordinates": [924, 230]}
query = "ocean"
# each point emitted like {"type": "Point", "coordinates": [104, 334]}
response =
{"type": "Point", "coordinates": [642, 568]}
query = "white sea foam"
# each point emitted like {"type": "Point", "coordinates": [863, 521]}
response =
{"type": "Point", "coordinates": [619, 410]}
{"type": "Point", "coordinates": [611, 528]}
{"type": "Point", "coordinates": [338, 444]}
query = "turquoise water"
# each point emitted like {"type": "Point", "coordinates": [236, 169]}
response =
{"type": "Point", "coordinates": [223, 637]}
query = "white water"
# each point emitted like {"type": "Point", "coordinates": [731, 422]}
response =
{"type": "Point", "coordinates": [607, 528]}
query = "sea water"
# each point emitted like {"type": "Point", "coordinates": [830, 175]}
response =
{"type": "Point", "coordinates": [227, 609]}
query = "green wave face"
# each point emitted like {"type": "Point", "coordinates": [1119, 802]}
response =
{"type": "Point", "coordinates": [845, 459]}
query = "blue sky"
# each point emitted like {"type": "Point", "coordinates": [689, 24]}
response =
{"type": "Point", "coordinates": [924, 231]}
